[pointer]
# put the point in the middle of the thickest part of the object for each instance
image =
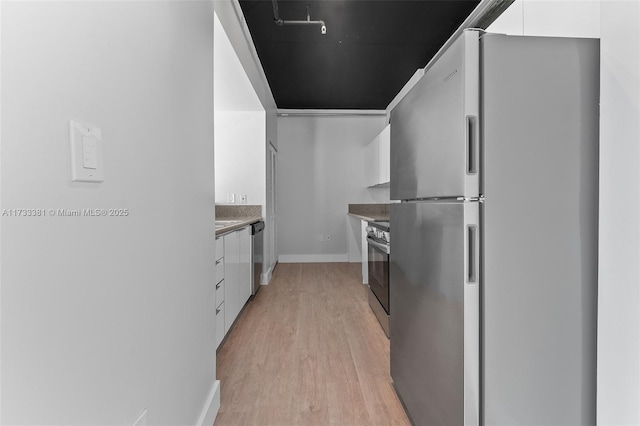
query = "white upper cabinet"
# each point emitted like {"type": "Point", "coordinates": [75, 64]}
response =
{"type": "Point", "coordinates": [378, 157]}
{"type": "Point", "coordinates": [384, 155]}
{"type": "Point", "coordinates": [371, 162]}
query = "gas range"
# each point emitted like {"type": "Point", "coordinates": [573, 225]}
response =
{"type": "Point", "coordinates": [380, 231]}
{"type": "Point", "coordinates": [379, 248]}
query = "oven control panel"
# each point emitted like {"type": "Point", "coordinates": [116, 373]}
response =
{"type": "Point", "coordinates": [379, 231]}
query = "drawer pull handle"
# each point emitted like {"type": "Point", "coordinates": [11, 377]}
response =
{"type": "Point", "coordinates": [217, 311]}
{"type": "Point", "coordinates": [218, 285]}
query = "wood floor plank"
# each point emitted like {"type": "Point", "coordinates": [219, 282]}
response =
{"type": "Point", "coordinates": [307, 350]}
{"type": "Point", "coordinates": [352, 413]}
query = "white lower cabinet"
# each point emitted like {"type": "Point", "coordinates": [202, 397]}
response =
{"type": "Point", "coordinates": [219, 279]}
{"type": "Point", "coordinates": [235, 288]}
{"type": "Point", "coordinates": [219, 270]}
{"type": "Point", "coordinates": [220, 324]}
{"type": "Point", "coordinates": [219, 293]}
{"type": "Point", "coordinates": [231, 278]}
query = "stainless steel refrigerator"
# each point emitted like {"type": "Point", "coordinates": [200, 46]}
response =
{"type": "Point", "coordinates": [493, 273]}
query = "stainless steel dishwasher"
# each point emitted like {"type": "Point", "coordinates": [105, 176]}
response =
{"type": "Point", "coordinates": [257, 233]}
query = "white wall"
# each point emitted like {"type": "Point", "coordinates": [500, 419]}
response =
{"type": "Point", "coordinates": [230, 14]}
{"type": "Point", "coordinates": [240, 156]}
{"type": "Point", "coordinates": [237, 31]}
{"type": "Point", "coordinates": [617, 24]}
{"type": "Point", "coordinates": [232, 88]}
{"type": "Point", "coordinates": [619, 263]}
{"type": "Point", "coordinates": [104, 316]}
{"type": "Point", "coordinates": [322, 171]}
{"type": "Point", "coordinates": [240, 127]}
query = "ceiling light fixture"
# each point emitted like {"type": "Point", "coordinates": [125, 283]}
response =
{"type": "Point", "coordinates": [280, 22]}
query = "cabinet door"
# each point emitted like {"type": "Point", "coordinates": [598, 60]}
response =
{"type": "Point", "coordinates": [231, 278]}
{"type": "Point", "coordinates": [371, 163]}
{"type": "Point", "coordinates": [220, 324]}
{"type": "Point", "coordinates": [219, 293]}
{"type": "Point", "coordinates": [245, 265]}
{"type": "Point", "coordinates": [384, 154]}
{"type": "Point", "coordinates": [219, 248]}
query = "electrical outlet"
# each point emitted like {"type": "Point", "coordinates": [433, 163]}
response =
{"type": "Point", "coordinates": [243, 199]}
{"type": "Point", "coordinates": [320, 238]}
{"type": "Point", "coordinates": [231, 198]}
{"type": "Point", "coordinates": [141, 420]}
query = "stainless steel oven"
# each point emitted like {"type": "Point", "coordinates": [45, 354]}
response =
{"type": "Point", "coordinates": [379, 247]}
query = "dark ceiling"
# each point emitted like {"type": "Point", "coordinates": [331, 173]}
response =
{"type": "Point", "coordinates": [370, 51]}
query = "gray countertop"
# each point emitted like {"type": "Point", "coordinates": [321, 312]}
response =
{"type": "Point", "coordinates": [226, 225]}
{"type": "Point", "coordinates": [372, 217]}
{"type": "Point", "coordinates": [369, 212]}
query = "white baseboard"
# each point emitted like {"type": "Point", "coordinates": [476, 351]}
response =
{"type": "Point", "coordinates": [210, 410]}
{"type": "Point", "coordinates": [313, 258]}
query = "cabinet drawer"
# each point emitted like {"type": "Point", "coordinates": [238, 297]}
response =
{"type": "Point", "coordinates": [219, 293]}
{"type": "Point", "coordinates": [219, 248]}
{"type": "Point", "coordinates": [219, 324]}
{"type": "Point", "coordinates": [219, 270]}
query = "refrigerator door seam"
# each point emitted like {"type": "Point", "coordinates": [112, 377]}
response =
{"type": "Point", "coordinates": [445, 200]}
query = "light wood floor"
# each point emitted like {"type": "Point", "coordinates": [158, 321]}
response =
{"type": "Point", "coordinates": [308, 351]}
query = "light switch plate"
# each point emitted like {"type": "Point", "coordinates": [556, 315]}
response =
{"type": "Point", "coordinates": [86, 152]}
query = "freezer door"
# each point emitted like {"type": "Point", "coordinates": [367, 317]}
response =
{"type": "Point", "coordinates": [434, 287]}
{"type": "Point", "coordinates": [434, 129]}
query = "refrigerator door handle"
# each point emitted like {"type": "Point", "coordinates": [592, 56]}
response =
{"type": "Point", "coordinates": [472, 254]}
{"type": "Point", "coordinates": [472, 144]}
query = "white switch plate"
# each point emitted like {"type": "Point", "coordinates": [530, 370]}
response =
{"type": "Point", "coordinates": [231, 198]}
{"type": "Point", "coordinates": [86, 152]}
{"type": "Point", "coordinates": [243, 199]}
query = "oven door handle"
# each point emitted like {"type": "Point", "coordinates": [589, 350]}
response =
{"type": "Point", "coordinates": [378, 245]}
